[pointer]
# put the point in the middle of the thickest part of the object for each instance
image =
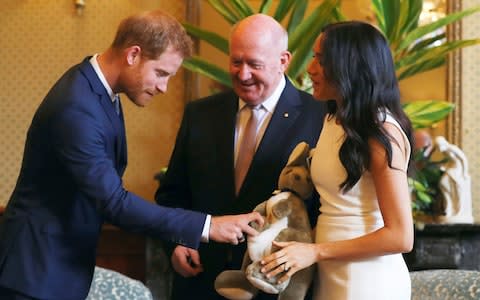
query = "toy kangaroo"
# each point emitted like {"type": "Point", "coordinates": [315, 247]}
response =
{"type": "Point", "coordinates": [286, 219]}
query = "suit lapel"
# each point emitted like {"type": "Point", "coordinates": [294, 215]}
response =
{"type": "Point", "coordinates": [285, 115]}
{"type": "Point", "coordinates": [116, 121]}
{"type": "Point", "coordinates": [121, 141]}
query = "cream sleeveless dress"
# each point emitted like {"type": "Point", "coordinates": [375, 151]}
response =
{"type": "Point", "coordinates": [346, 216]}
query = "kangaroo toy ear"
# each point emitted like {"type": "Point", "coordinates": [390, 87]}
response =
{"type": "Point", "coordinates": [299, 155]}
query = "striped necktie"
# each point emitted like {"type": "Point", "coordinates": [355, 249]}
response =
{"type": "Point", "coordinates": [116, 104]}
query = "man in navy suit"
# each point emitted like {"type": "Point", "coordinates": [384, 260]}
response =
{"type": "Point", "coordinates": [200, 175]}
{"type": "Point", "coordinates": [75, 155]}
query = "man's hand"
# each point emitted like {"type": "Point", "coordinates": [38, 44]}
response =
{"type": "Point", "coordinates": [186, 261]}
{"type": "Point", "coordinates": [231, 229]}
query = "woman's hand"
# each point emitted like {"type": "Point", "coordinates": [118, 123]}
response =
{"type": "Point", "coordinates": [291, 258]}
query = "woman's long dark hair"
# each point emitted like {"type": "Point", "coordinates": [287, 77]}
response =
{"type": "Point", "coordinates": [356, 59]}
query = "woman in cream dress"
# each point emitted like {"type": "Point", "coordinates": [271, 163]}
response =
{"type": "Point", "coordinates": [359, 168]}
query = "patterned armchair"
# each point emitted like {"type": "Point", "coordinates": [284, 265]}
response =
{"type": "Point", "coordinates": [445, 284]}
{"type": "Point", "coordinates": [111, 285]}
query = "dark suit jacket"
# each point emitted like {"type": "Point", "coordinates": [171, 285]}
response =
{"type": "Point", "coordinates": [200, 175]}
{"type": "Point", "coordinates": [69, 184]}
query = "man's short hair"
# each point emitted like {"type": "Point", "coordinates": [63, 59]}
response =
{"type": "Point", "coordinates": [154, 32]}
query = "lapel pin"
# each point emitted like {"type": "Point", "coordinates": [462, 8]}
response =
{"type": "Point", "coordinates": [285, 115]}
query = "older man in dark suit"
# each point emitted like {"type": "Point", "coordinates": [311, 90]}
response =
{"type": "Point", "coordinates": [203, 172]}
{"type": "Point", "coordinates": [75, 154]}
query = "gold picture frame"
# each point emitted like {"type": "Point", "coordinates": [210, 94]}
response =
{"type": "Point", "coordinates": [454, 78]}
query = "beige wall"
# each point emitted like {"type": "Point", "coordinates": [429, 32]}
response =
{"type": "Point", "coordinates": [470, 108]}
{"type": "Point", "coordinates": [39, 41]}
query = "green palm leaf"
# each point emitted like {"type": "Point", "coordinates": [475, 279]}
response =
{"type": "Point", "coordinates": [265, 6]}
{"type": "Point", "coordinates": [227, 13]}
{"type": "Point", "coordinates": [425, 113]}
{"type": "Point", "coordinates": [390, 16]}
{"type": "Point", "coordinates": [422, 31]}
{"type": "Point", "coordinates": [338, 15]}
{"type": "Point", "coordinates": [283, 9]}
{"type": "Point", "coordinates": [210, 37]}
{"type": "Point", "coordinates": [417, 68]}
{"type": "Point", "coordinates": [379, 12]}
{"type": "Point", "coordinates": [242, 8]}
{"type": "Point", "coordinates": [297, 15]}
{"type": "Point", "coordinates": [415, 9]}
{"type": "Point", "coordinates": [303, 38]}
{"type": "Point", "coordinates": [399, 25]}
{"type": "Point", "coordinates": [424, 197]}
{"type": "Point", "coordinates": [198, 65]}
{"type": "Point", "coordinates": [433, 52]}
{"type": "Point", "coordinates": [428, 43]}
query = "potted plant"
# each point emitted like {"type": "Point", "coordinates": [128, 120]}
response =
{"type": "Point", "coordinates": [418, 49]}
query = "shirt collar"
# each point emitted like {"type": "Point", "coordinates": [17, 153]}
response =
{"type": "Point", "coordinates": [271, 102]}
{"type": "Point", "coordinates": [100, 75]}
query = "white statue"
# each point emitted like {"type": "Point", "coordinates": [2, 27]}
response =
{"type": "Point", "coordinates": [455, 184]}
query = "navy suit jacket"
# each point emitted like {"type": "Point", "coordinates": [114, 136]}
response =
{"type": "Point", "coordinates": [69, 184]}
{"type": "Point", "coordinates": [200, 174]}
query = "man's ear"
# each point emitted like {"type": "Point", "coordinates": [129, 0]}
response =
{"type": "Point", "coordinates": [285, 58]}
{"type": "Point", "coordinates": [133, 54]}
